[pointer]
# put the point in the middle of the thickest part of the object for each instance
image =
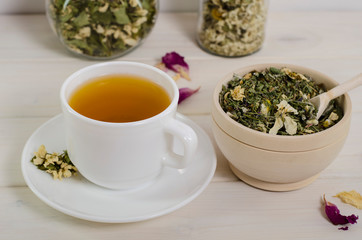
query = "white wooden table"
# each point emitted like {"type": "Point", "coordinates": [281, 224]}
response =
{"type": "Point", "coordinates": [33, 66]}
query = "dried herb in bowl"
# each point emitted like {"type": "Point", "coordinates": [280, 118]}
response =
{"type": "Point", "coordinates": [102, 28]}
{"type": "Point", "coordinates": [276, 101]}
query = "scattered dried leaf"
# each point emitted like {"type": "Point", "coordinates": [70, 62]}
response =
{"type": "Point", "coordinates": [352, 197]}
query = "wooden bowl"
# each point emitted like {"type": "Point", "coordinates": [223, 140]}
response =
{"type": "Point", "coordinates": [274, 162]}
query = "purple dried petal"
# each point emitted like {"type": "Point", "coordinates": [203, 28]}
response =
{"type": "Point", "coordinates": [185, 93]}
{"type": "Point", "coordinates": [334, 215]}
{"type": "Point", "coordinates": [352, 219]}
{"type": "Point", "coordinates": [176, 63]}
{"type": "Point", "coordinates": [343, 228]}
{"type": "Point", "coordinates": [173, 58]}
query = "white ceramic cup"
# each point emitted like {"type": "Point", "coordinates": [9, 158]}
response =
{"type": "Point", "coordinates": [125, 155]}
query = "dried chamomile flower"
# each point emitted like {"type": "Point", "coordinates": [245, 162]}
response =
{"type": "Point", "coordinates": [238, 93]}
{"type": "Point", "coordinates": [38, 161]}
{"type": "Point", "coordinates": [41, 152]}
{"type": "Point", "coordinates": [333, 117]}
{"type": "Point", "coordinates": [58, 165]}
{"type": "Point", "coordinates": [336, 217]}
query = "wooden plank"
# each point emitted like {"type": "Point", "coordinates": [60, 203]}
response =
{"type": "Point", "coordinates": [224, 210]}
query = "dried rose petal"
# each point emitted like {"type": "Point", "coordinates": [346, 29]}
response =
{"type": "Point", "coordinates": [176, 63]}
{"type": "Point", "coordinates": [343, 228]}
{"type": "Point", "coordinates": [334, 215]}
{"type": "Point", "coordinates": [173, 59]}
{"type": "Point", "coordinates": [185, 93]}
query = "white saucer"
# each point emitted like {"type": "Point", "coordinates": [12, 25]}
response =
{"type": "Point", "coordinates": [80, 198]}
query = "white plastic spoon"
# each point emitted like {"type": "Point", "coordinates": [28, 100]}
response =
{"type": "Point", "coordinates": [321, 101]}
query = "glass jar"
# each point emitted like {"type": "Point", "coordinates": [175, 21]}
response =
{"type": "Point", "coordinates": [101, 29]}
{"type": "Point", "coordinates": [231, 28]}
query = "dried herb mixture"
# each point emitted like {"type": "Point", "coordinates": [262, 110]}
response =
{"type": "Point", "coordinates": [102, 28]}
{"type": "Point", "coordinates": [276, 101]}
{"type": "Point", "coordinates": [59, 165]}
{"type": "Point", "coordinates": [232, 27]}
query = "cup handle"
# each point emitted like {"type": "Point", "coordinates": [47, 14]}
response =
{"type": "Point", "coordinates": [189, 140]}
